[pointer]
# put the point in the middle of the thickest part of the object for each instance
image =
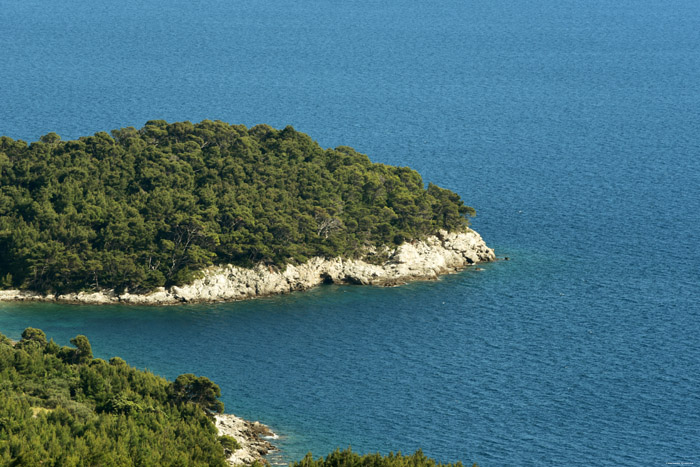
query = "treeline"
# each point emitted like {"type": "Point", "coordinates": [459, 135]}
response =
{"type": "Point", "coordinates": [61, 406]}
{"type": "Point", "coordinates": [139, 209]}
{"type": "Point", "coordinates": [347, 458]}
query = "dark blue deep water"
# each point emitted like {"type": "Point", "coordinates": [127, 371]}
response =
{"type": "Point", "coordinates": [573, 127]}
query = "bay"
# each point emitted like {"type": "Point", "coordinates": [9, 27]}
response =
{"type": "Point", "coordinates": [571, 127]}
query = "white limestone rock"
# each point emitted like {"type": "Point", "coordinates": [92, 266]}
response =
{"type": "Point", "coordinates": [443, 253]}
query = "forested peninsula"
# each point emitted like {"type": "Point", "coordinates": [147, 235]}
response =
{"type": "Point", "coordinates": [211, 211]}
{"type": "Point", "coordinates": [60, 406]}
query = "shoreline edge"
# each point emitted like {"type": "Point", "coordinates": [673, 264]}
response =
{"type": "Point", "coordinates": [443, 253]}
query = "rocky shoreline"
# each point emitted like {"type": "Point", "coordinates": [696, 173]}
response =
{"type": "Point", "coordinates": [444, 253]}
{"type": "Point", "coordinates": [250, 435]}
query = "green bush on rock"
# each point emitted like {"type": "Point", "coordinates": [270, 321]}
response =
{"type": "Point", "coordinates": [229, 443]}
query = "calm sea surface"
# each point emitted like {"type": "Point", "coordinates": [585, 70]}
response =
{"type": "Point", "coordinates": [573, 127]}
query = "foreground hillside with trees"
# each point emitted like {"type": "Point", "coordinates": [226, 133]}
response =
{"type": "Point", "coordinates": [60, 406]}
{"type": "Point", "coordinates": [139, 209]}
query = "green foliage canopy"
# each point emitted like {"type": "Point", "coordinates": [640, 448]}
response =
{"type": "Point", "coordinates": [59, 406]}
{"type": "Point", "coordinates": [347, 458]}
{"type": "Point", "coordinates": [198, 390]}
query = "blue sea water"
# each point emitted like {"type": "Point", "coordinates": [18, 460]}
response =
{"type": "Point", "coordinates": [571, 126]}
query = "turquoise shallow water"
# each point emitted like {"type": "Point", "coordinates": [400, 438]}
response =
{"type": "Point", "coordinates": [571, 127]}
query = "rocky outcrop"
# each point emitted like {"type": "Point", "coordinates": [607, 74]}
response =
{"type": "Point", "coordinates": [443, 253]}
{"type": "Point", "coordinates": [252, 437]}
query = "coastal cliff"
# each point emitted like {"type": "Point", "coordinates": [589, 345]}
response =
{"type": "Point", "coordinates": [443, 253]}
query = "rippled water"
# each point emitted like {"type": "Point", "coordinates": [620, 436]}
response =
{"type": "Point", "coordinates": [572, 128]}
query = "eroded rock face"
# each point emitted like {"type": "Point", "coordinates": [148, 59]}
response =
{"type": "Point", "coordinates": [439, 254]}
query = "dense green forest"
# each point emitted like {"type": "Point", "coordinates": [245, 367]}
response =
{"type": "Point", "coordinates": [139, 209]}
{"type": "Point", "coordinates": [59, 406]}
